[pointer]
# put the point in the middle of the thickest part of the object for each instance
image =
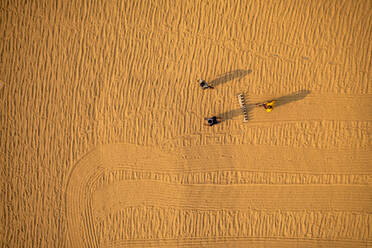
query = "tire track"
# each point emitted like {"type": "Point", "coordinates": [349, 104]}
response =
{"type": "Point", "coordinates": [96, 191]}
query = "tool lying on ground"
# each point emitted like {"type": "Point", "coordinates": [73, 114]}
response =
{"type": "Point", "coordinates": [243, 106]}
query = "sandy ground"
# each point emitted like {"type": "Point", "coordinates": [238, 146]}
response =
{"type": "Point", "coordinates": [102, 136]}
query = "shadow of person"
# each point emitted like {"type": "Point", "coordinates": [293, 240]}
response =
{"type": "Point", "coordinates": [229, 76]}
{"type": "Point", "coordinates": [228, 115]}
{"type": "Point", "coordinates": [299, 95]}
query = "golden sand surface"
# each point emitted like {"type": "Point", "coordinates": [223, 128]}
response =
{"type": "Point", "coordinates": [103, 142]}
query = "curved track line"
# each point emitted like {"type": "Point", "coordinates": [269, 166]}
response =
{"type": "Point", "coordinates": [78, 204]}
{"type": "Point", "coordinates": [93, 182]}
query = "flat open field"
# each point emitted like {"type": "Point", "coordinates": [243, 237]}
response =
{"type": "Point", "coordinates": [102, 135]}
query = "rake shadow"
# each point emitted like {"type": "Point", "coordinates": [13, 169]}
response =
{"type": "Point", "coordinates": [230, 76]}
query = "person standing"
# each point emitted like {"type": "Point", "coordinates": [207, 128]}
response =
{"type": "Point", "coordinates": [212, 121]}
{"type": "Point", "coordinates": [204, 85]}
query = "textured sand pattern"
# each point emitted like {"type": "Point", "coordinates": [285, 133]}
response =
{"type": "Point", "coordinates": [114, 198]}
{"type": "Point", "coordinates": [102, 142]}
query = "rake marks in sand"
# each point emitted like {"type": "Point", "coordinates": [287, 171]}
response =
{"type": "Point", "coordinates": [115, 199]}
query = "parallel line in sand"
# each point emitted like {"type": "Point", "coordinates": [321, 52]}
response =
{"type": "Point", "coordinates": [77, 202]}
{"type": "Point", "coordinates": [233, 177]}
{"type": "Point", "coordinates": [236, 158]}
{"type": "Point", "coordinates": [241, 242]}
{"type": "Point", "coordinates": [285, 197]}
{"type": "Point", "coordinates": [154, 223]}
{"type": "Point", "coordinates": [81, 206]}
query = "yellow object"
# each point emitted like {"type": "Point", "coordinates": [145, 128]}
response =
{"type": "Point", "coordinates": [270, 106]}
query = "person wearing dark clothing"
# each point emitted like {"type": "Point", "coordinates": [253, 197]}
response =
{"type": "Point", "coordinates": [213, 120]}
{"type": "Point", "coordinates": [204, 85]}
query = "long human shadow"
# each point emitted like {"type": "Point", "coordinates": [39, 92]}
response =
{"type": "Point", "coordinates": [228, 115]}
{"type": "Point", "coordinates": [299, 95]}
{"type": "Point", "coordinates": [230, 76]}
